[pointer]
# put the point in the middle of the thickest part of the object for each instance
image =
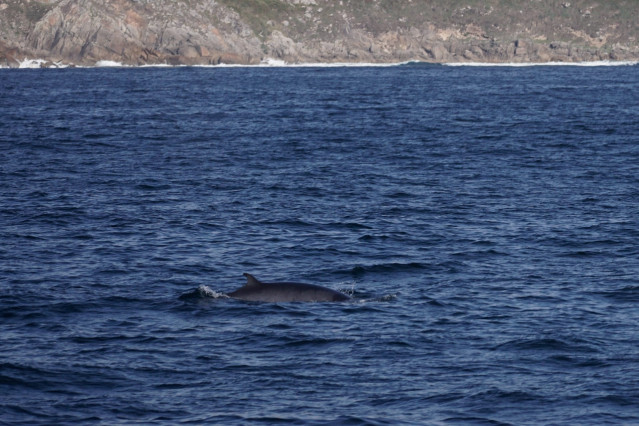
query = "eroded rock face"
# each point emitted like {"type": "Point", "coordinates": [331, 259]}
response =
{"type": "Point", "coordinates": [132, 32]}
{"type": "Point", "coordinates": [245, 31]}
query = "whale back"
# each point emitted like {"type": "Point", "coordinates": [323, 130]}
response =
{"type": "Point", "coordinates": [257, 291]}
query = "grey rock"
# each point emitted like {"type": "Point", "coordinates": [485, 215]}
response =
{"type": "Point", "coordinates": [230, 31]}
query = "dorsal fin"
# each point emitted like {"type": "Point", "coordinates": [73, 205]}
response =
{"type": "Point", "coordinates": [251, 281]}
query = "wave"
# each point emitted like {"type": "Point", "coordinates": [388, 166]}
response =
{"type": "Point", "coordinates": [627, 294]}
{"type": "Point", "coordinates": [386, 267]}
{"type": "Point", "coordinates": [270, 62]}
{"type": "Point", "coordinates": [102, 64]}
{"type": "Point", "coordinates": [203, 292]}
{"type": "Point", "coordinates": [278, 63]}
{"type": "Point", "coordinates": [37, 63]}
{"type": "Point", "coordinates": [266, 63]}
{"type": "Point", "coordinates": [565, 345]}
{"type": "Point", "coordinates": [543, 64]}
{"type": "Point", "coordinates": [40, 63]}
{"type": "Point", "coordinates": [27, 63]}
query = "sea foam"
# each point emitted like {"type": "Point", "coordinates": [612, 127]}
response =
{"type": "Point", "coordinates": [278, 63]}
{"type": "Point", "coordinates": [105, 63]}
{"type": "Point", "coordinates": [542, 64]}
{"type": "Point", "coordinates": [38, 63]}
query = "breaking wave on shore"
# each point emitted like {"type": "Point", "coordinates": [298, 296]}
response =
{"type": "Point", "coordinates": [278, 63]}
{"type": "Point", "coordinates": [542, 64]}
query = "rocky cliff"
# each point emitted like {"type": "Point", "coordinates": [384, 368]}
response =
{"type": "Point", "coordinates": [249, 31]}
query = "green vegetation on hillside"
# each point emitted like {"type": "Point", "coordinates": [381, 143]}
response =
{"type": "Point", "coordinates": [259, 13]}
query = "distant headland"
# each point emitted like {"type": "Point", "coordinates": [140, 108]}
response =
{"type": "Point", "coordinates": [209, 32]}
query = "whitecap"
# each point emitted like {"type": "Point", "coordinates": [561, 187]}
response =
{"type": "Point", "coordinates": [38, 63]}
{"type": "Point", "coordinates": [271, 62]}
{"type": "Point", "coordinates": [163, 65]}
{"type": "Point", "coordinates": [542, 64]}
{"type": "Point", "coordinates": [206, 291]}
{"type": "Point", "coordinates": [31, 63]}
{"type": "Point", "coordinates": [278, 63]}
{"type": "Point", "coordinates": [105, 63]}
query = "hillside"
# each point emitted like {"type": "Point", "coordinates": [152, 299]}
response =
{"type": "Point", "coordinates": [249, 31]}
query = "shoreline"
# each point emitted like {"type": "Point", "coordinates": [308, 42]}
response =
{"type": "Point", "coordinates": [277, 63]}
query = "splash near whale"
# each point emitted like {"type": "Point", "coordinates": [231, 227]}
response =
{"type": "Point", "coordinates": [257, 291]}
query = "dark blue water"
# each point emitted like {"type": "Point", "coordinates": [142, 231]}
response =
{"type": "Point", "coordinates": [485, 221]}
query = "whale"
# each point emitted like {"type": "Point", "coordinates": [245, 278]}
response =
{"type": "Point", "coordinates": [257, 291]}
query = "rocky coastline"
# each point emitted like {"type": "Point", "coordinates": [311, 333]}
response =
{"type": "Point", "coordinates": [210, 32]}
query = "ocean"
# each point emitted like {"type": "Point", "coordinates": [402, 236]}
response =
{"type": "Point", "coordinates": [485, 221]}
